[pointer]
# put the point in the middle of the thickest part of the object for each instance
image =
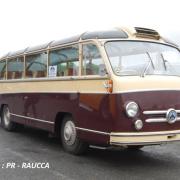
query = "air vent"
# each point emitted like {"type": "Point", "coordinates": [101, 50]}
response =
{"type": "Point", "coordinates": [147, 33]}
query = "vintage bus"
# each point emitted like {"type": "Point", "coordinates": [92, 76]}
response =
{"type": "Point", "coordinates": [118, 87]}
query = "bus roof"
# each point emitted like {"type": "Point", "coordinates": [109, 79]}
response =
{"type": "Point", "coordinates": [117, 33]}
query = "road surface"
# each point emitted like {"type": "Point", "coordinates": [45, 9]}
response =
{"type": "Point", "coordinates": [19, 150]}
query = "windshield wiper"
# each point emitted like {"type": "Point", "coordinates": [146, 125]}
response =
{"type": "Point", "coordinates": [164, 62]}
{"type": "Point", "coordinates": [150, 62]}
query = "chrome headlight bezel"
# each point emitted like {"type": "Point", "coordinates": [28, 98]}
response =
{"type": "Point", "coordinates": [132, 109]}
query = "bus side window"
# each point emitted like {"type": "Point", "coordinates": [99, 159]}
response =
{"type": "Point", "coordinates": [2, 70]}
{"type": "Point", "coordinates": [15, 68]}
{"type": "Point", "coordinates": [36, 65]}
{"type": "Point", "coordinates": [92, 60]}
{"type": "Point", "coordinates": [66, 61]}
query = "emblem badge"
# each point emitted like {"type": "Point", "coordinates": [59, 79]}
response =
{"type": "Point", "coordinates": [171, 116]}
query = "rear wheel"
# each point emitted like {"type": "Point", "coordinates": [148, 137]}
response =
{"type": "Point", "coordinates": [70, 142]}
{"type": "Point", "coordinates": [6, 122]}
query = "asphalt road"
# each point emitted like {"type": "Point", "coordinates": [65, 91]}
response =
{"type": "Point", "coordinates": [34, 146]}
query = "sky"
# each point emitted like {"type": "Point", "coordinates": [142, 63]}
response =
{"type": "Point", "coordinates": [25, 23]}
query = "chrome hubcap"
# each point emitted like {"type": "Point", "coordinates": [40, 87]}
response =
{"type": "Point", "coordinates": [6, 116]}
{"type": "Point", "coordinates": [69, 133]}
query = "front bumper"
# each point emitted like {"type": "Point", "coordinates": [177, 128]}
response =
{"type": "Point", "coordinates": [144, 138]}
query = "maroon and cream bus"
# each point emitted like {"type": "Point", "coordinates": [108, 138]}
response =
{"type": "Point", "coordinates": [108, 88]}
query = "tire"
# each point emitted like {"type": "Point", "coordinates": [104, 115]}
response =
{"type": "Point", "coordinates": [6, 122]}
{"type": "Point", "coordinates": [135, 148]}
{"type": "Point", "coordinates": [70, 142]}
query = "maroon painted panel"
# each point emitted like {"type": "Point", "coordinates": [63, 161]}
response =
{"type": "Point", "coordinates": [100, 112]}
{"type": "Point", "coordinates": [154, 100]}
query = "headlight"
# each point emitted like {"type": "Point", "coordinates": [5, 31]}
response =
{"type": "Point", "coordinates": [138, 125]}
{"type": "Point", "coordinates": [132, 109]}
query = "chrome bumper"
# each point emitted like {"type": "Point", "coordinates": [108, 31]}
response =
{"type": "Point", "coordinates": [144, 138]}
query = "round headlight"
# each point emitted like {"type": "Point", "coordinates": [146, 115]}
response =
{"type": "Point", "coordinates": [132, 109]}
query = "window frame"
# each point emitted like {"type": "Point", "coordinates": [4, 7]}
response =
{"type": "Point", "coordinates": [7, 62]}
{"type": "Point", "coordinates": [101, 54]}
{"type": "Point", "coordinates": [60, 78]}
{"type": "Point", "coordinates": [60, 48]}
{"type": "Point", "coordinates": [25, 64]}
{"type": "Point", "coordinates": [130, 40]}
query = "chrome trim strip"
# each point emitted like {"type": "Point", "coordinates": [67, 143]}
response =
{"type": "Point", "coordinates": [34, 119]}
{"type": "Point", "coordinates": [37, 92]}
{"type": "Point", "coordinates": [158, 112]}
{"type": "Point", "coordinates": [93, 131]}
{"type": "Point", "coordinates": [155, 112]}
{"type": "Point", "coordinates": [142, 143]}
{"type": "Point", "coordinates": [137, 134]}
{"type": "Point", "coordinates": [145, 90]}
{"type": "Point", "coordinates": [60, 78]}
{"type": "Point", "coordinates": [83, 92]}
{"type": "Point", "coordinates": [55, 92]}
{"type": "Point", "coordinates": [154, 120]}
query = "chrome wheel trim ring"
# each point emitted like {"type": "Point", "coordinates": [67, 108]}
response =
{"type": "Point", "coordinates": [69, 133]}
{"type": "Point", "coordinates": [6, 116]}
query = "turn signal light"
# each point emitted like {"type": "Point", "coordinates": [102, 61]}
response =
{"type": "Point", "coordinates": [109, 85]}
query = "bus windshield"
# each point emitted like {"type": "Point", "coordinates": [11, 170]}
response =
{"type": "Point", "coordinates": [137, 58]}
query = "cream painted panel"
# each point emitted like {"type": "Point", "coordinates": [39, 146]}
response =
{"type": "Point", "coordinates": [137, 83]}
{"type": "Point", "coordinates": [94, 86]}
{"type": "Point", "coordinates": [144, 139]}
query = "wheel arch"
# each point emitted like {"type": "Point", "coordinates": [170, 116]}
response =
{"type": "Point", "coordinates": [58, 122]}
{"type": "Point", "coordinates": [1, 108]}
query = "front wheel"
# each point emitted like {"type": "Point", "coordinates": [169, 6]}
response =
{"type": "Point", "coordinates": [6, 122]}
{"type": "Point", "coordinates": [70, 142]}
